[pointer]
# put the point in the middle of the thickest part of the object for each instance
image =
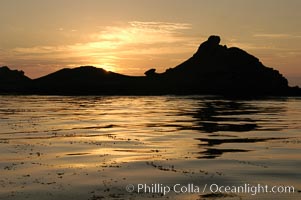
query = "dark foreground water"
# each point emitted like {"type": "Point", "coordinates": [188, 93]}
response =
{"type": "Point", "coordinates": [99, 147]}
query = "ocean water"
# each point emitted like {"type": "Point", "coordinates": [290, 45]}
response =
{"type": "Point", "coordinates": [129, 147]}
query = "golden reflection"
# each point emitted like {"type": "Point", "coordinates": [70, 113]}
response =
{"type": "Point", "coordinates": [77, 144]}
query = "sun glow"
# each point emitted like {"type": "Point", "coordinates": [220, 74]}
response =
{"type": "Point", "coordinates": [126, 48]}
{"type": "Point", "coordinates": [107, 67]}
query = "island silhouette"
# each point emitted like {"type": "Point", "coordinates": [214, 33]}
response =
{"type": "Point", "coordinates": [214, 69]}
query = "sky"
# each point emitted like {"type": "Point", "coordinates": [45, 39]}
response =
{"type": "Point", "coordinates": [132, 36]}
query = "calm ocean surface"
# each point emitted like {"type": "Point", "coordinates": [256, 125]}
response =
{"type": "Point", "coordinates": [54, 147]}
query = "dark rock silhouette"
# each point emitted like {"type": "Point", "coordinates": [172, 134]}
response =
{"type": "Point", "coordinates": [81, 80]}
{"type": "Point", "coordinates": [12, 81]}
{"type": "Point", "coordinates": [150, 73]}
{"type": "Point", "coordinates": [213, 69]}
{"type": "Point", "coordinates": [8, 75]}
{"type": "Point", "coordinates": [209, 46]}
{"type": "Point", "coordinates": [218, 69]}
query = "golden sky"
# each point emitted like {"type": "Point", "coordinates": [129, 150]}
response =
{"type": "Point", "coordinates": [131, 36]}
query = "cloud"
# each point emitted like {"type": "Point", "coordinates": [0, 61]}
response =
{"type": "Point", "coordinates": [136, 32]}
{"type": "Point", "coordinates": [267, 51]}
{"type": "Point", "coordinates": [276, 36]}
{"type": "Point", "coordinates": [127, 45]}
{"type": "Point", "coordinates": [250, 46]}
{"type": "Point", "coordinates": [115, 37]}
{"type": "Point", "coordinates": [160, 26]}
{"type": "Point", "coordinates": [38, 50]}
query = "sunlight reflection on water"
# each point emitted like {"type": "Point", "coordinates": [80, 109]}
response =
{"type": "Point", "coordinates": [91, 147]}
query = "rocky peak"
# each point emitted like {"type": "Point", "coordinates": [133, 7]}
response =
{"type": "Point", "coordinates": [9, 75]}
{"type": "Point", "coordinates": [209, 46]}
{"type": "Point", "coordinates": [213, 40]}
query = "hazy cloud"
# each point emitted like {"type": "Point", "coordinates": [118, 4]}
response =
{"type": "Point", "coordinates": [130, 46]}
{"type": "Point", "coordinates": [142, 32]}
{"type": "Point", "coordinates": [276, 36]}
{"type": "Point", "coordinates": [250, 46]}
{"type": "Point", "coordinates": [161, 26]}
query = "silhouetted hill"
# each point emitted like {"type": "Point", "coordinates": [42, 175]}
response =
{"type": "Point", "coordinates": [218, 69]}
{"type": "Point", "coordinates": [80, 74]}
{"type": "Point", "coordinates": [213, 69]}
{"type": "Point", "coordinates": [81, 80]}
{"type": "Point", "coordinates": [8, 75]}
{"type": "Point", "coordinates": [12, 81]}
